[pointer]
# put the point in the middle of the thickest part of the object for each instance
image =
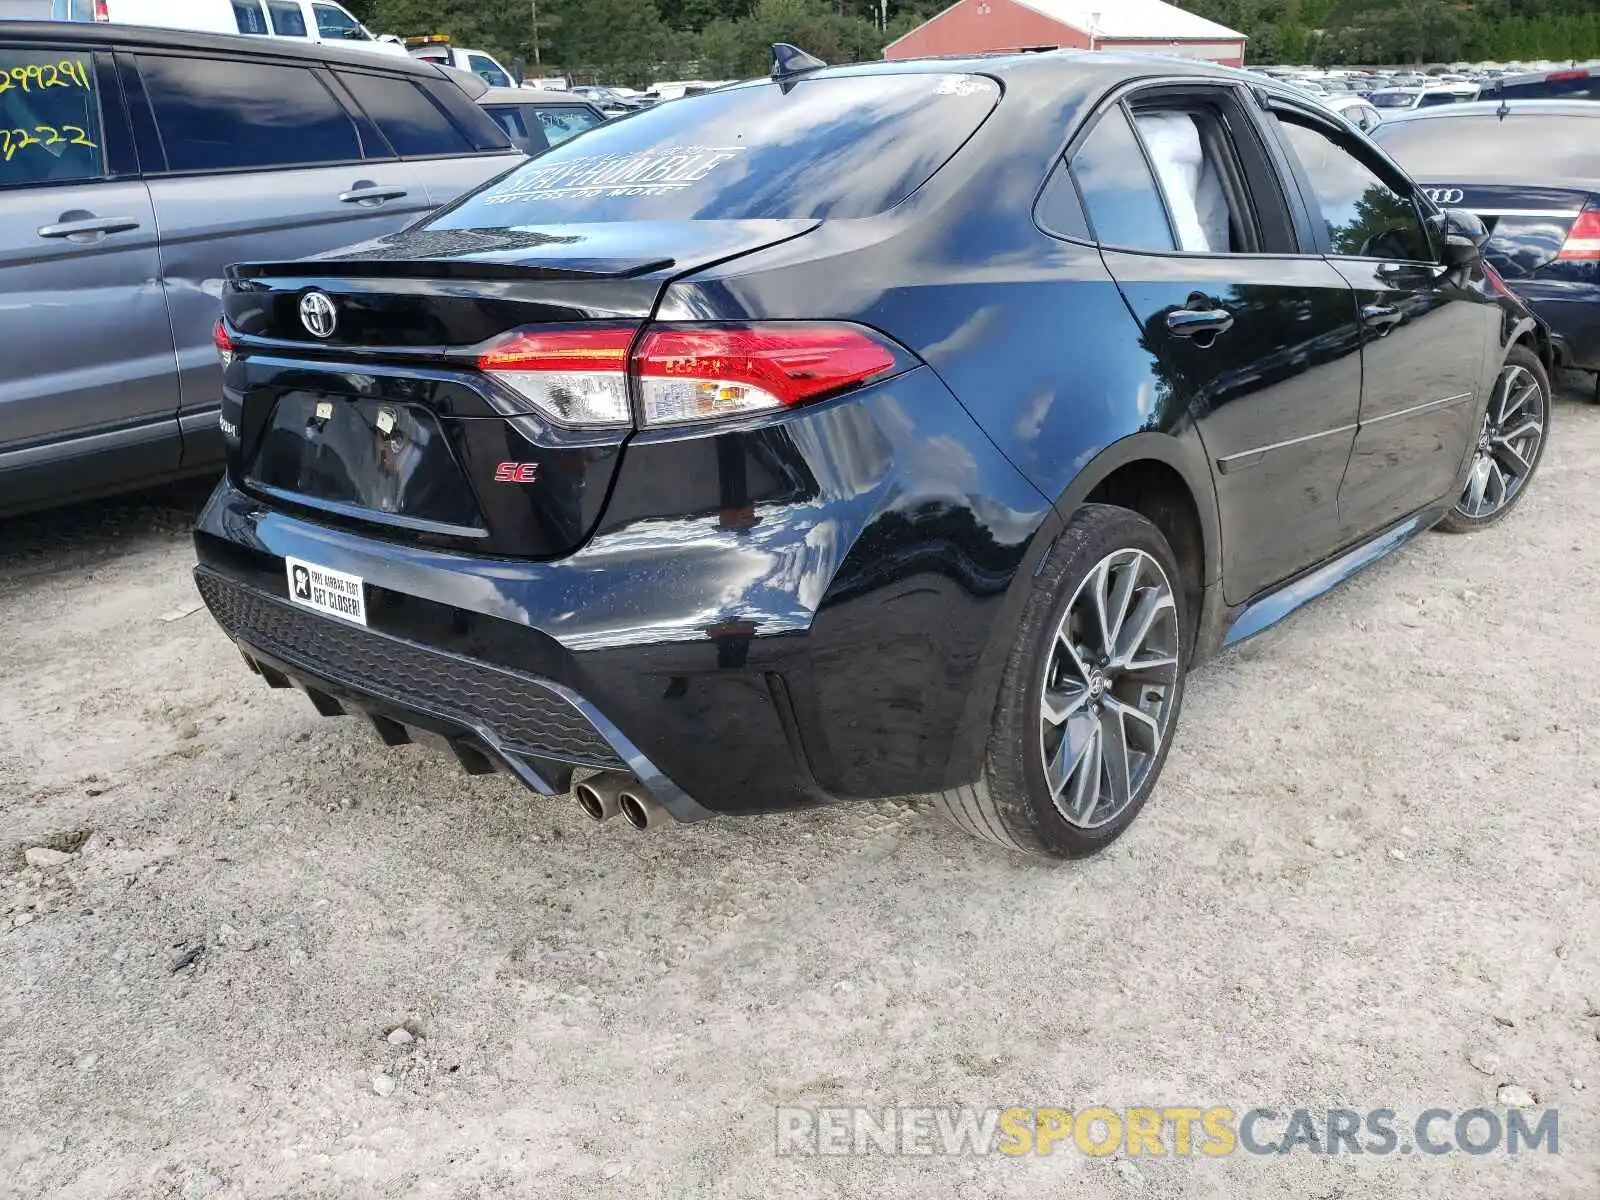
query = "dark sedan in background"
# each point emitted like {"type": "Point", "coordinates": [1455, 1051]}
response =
{"type": "Point", "coordinates": [898, 428]}
{"type": "Point", "coordinates": [1531, 170]}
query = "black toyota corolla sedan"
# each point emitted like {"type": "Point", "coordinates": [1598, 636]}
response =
{"type": "Point", "coordinates": [865, 431]}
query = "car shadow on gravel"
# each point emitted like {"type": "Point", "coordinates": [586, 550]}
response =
{"type": "Point", "coordinates": [81, 535]}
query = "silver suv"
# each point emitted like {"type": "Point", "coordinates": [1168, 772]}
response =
{"type": "Point", "coordinates": [135, 165]}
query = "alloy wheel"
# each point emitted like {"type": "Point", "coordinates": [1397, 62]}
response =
{"type": "Point", "coordinates": [1508, 445]}
{"type": "Point", "coordinates": [1110, 686]}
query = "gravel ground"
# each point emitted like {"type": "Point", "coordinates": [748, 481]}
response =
{"type": "Point", "coordinates": [1368, 879]}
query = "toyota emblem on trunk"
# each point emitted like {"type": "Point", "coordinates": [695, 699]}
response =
{"type": "Point", "coordinates": [318, 315]}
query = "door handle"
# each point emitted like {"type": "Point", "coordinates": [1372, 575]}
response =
{"type": "Point", "coordinates": [371, 195]}
{"type": "Point", "coordinates": [1381, 316]}
{"type": "Point", "coordinates": [1203, 323]}
{"type": "Point", "coordinates": [88, 228]}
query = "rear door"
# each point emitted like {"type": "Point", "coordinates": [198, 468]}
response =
{"type": "Point", "coordinates": [1426, 332]}
{"type": "Point", "coordinates": [250, 159]}
{"type": "Point", "coordinates": [86, 360]}
{"type": "Point", "coordinates": [1256, 340]}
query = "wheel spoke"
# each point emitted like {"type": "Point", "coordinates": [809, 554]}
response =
{"type": "Point", "coordinates": [1512, 397]}
{"type": "Point", "coordinates": [1502, 487]}
{"type": "Point", "coordinates": [1078, 736]}
{"type": "Point", "coordinates": [1059, 704]}
{"type": "Point", "coordinates": [1114, 749]}
{"type": "Point", "coordinates": [1159, 669]}
{"type": "Point", "coordinates": [1098, 585]}
{"type": "Point", "coordinates": [1529, 428]}
{"type": "Point", "coordinates": [1086, 780]}
{"type": "Point", "coordinates": [1476, 484]}
{"type": "Point", "coordinates": [1127, 584]}
{"type": "Point", "coordinates": [1073, 659]}
{"type": "Point", "coordinates": [1147, 727]}
{"type": "Point", "coordinates": [1507, 458]}
{"type": "Point", "coordinates": [1152, 604]}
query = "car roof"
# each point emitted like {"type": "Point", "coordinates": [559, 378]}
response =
{"type": "Point", "coordinates": [1523, 108]}
{"type": "Point", "coordinates": [1033, 69]}
{"type": "Point", "coordinates": [522, 95]}
{"type": "Point", "coordinates": [96, 34]}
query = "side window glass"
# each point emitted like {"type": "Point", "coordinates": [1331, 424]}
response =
{"type": "Point", "coordinates": [1365, 217]}
{"type": "Point", "coordinates": [1059, 210]}
{"type": "Point", "coordinates": [413, 123]}
{"type": "Point", "coordinates": [336, 23]}
{"type": "Point", "coordinates": [1119, 192]}
{"type": "Point", "coordinates": [49, 118]}
{"type": "Point", "coordinates": [485, 70]}
{"type": "Point", "coordinates": [248, 16]}
{"type": "Point", "coordinates": [1187, 149]}
{"type": "Point", "coordinates": [287, 19]}
{"type": "Point", "coordinates": [216, 114]}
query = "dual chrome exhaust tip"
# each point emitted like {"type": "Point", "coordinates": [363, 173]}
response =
{"type": "Point", "coordinates": [610, 793]}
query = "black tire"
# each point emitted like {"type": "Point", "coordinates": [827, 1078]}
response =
{"type": "Point", "coordinates": [1011, 805]}
{"type": "Point", "coordinates": [1459, 519]}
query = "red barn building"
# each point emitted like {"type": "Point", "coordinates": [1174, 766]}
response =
{"type": "Point", "coordinates": [981, 26]}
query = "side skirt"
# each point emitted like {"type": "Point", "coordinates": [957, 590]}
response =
{"type": "Point", "coordinates": [1268, 610]}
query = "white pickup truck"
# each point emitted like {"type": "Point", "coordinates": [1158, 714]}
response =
{"type": "Point", "coordinates": [438, 49]}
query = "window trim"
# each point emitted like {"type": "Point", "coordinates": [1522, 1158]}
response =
{"type": "Point", "coordinates": [1364, 152]}
{"type": "Point", "coordinates": [134, 63]}
{"type": "Point", "coordinates": [1266, 146]}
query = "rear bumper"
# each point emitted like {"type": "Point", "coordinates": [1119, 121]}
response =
{"type": "Point", "coordinates": [781, 615]}
{"type": "Point", "coordinates": [489, 717]}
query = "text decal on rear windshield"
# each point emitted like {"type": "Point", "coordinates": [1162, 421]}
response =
{"type": "Point", "coordinates": [655, 172]}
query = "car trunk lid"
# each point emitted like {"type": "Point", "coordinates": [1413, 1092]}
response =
{"type": "Point", "coordinates": [354, 393]}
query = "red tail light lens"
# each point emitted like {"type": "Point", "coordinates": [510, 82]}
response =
{"type": "Point", "coordinates": [1583, 242]}
{"type": "Point", "coordinates": [686, 373]}
{"type": "Point", "coordinates": [101, 12]}
{"type": "Point", "coordinates": [223, 343]}
{"type": "Point", "coordinates": [573, 376]}
{"type": "Point", "coordinates": [690, 374]}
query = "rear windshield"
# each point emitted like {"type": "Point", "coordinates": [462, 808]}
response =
{"type": "Point", "coordinates": [831, 147]}
{"type": "Point", "coordinates": [1524, 146]}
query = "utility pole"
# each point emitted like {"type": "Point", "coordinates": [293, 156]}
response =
{"type": "Point", "coordinates": [536, 32]}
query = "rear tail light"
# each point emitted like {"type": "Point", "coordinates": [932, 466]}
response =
{"type": "Point", "coordinates": [1583, 242]}
{"type": "Point", "coordinates": [1563, 76]}
{"type": "Point", "coordinates": [223, 343]}
{"type": "Point", "coordinates": [101, 12]}
{"type": "Point", "coordinates": [686, 373]}
{"type": "Point", "coordinates": [573, 376]}
{"type": "Point", "coordinates": [700, 374]}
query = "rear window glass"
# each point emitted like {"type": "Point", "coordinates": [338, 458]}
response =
{"type": "Point", "coordinates": [1524, 146]}
{"type": "Point", "coordinates": [830, 147]}
{"type": "Point", "coordinates": [413, 124]}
